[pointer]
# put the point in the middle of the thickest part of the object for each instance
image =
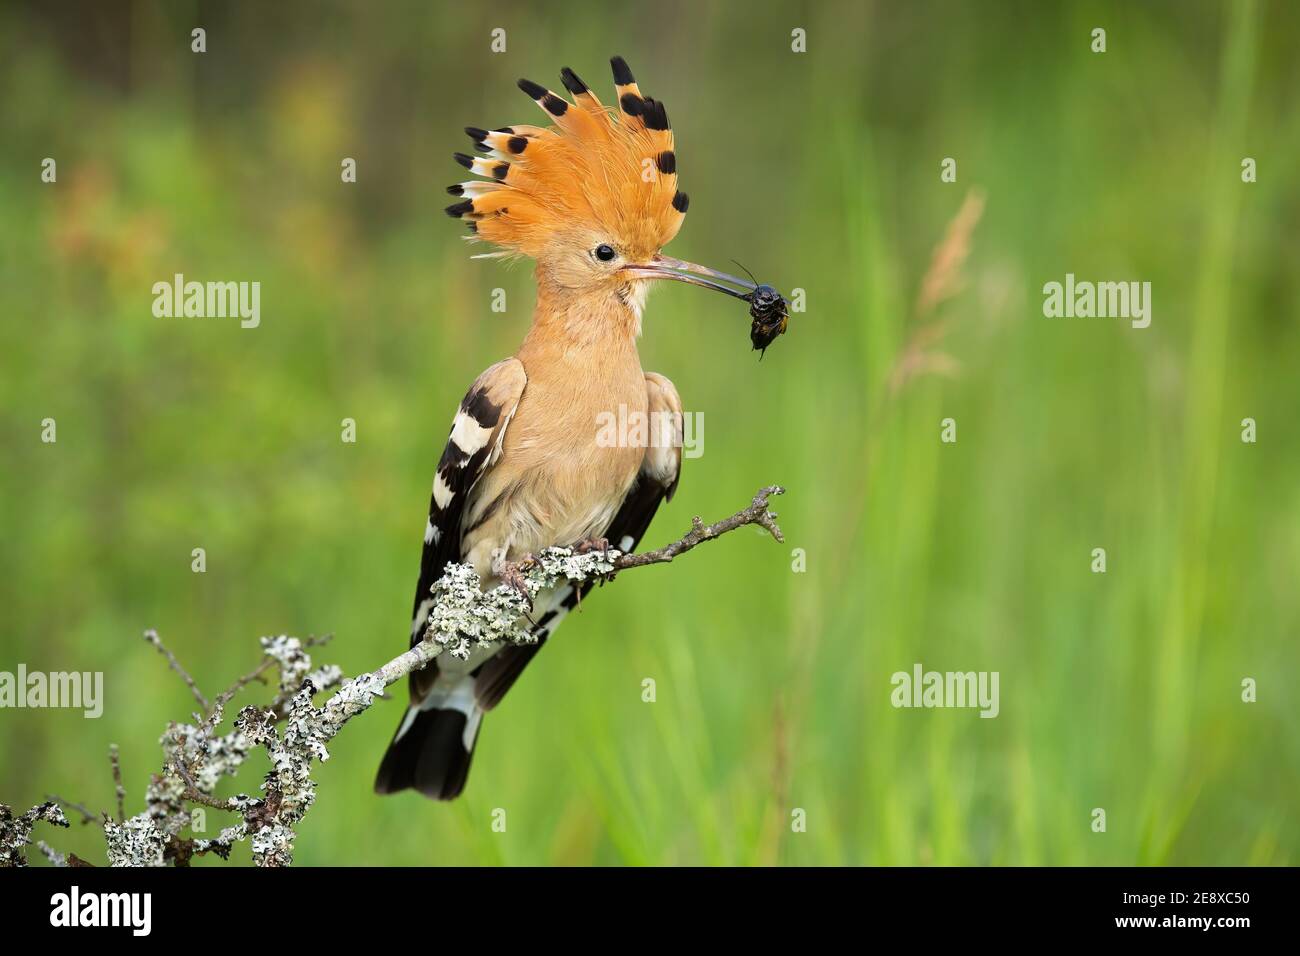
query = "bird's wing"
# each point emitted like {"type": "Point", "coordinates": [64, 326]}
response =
{"type": "Point", "coordinates": [660, 471]}
{"type": "Point", "coordinates": [432, 746]}
{"type": "Point", "coordinates": [473, 447]}
{"type": "Point", "coordinates": [655, 482]}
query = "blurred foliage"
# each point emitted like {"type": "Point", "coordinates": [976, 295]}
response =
{"type": "Point", "coordinates": [816, 170]}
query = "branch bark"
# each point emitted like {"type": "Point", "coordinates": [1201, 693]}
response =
{"type": "Point", "coordinates": [756, 513]}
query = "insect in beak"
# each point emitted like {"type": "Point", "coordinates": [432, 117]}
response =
{"type": "Point", "coordinates": [767, 307]}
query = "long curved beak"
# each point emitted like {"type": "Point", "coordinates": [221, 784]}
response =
{"type": "Point", "coordinates": [666, 267]}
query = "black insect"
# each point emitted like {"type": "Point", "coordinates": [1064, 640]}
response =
{"type": "Point", "coordinates": [768, 310]}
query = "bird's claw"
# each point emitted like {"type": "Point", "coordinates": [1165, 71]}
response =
{"type": "Point", "coordinates": [513, 578]}
{"type": "Point", "coordinates": [589, 545]}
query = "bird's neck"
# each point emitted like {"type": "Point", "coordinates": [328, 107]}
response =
{"type": "Point", "coordinates": [595, 325]}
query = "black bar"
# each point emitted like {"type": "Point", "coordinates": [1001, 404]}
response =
{"type": "Point", "coordinates": [982, 905]}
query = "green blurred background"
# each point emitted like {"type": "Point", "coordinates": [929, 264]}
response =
{"type": "Point", "coordinates": [817, 170]}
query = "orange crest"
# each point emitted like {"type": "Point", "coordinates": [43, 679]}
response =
{"type": "Point", "coordinates": [597, 171]}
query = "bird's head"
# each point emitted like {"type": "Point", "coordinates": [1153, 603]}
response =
{"type": "Point", "coordinates": [592, 198]}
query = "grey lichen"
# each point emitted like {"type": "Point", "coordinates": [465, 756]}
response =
{"type": "Point", "coordinates": [16, 831]}
{"type": "Point", "coordinates": [463, 617]}
{"type": "Point", "coordinates": [207, 758]}
{"type": "Point", "coordinates": [224, 841]}
{"type": "Point", "coordinates": [139, 841]}
{"type": "Point", "coordinates": [296, 668]}
{"type": "Point", "coordinates": [54, 856]}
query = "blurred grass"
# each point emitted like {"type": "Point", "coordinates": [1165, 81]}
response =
{"type": "Point", "coordinates": [818, 171]}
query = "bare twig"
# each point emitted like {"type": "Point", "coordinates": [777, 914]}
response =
{"type": "Point", "coordinates": [115, 761]}
{"type": "Point", "coordinates": [152, 637]}
{"type": "Point", "coordinates": [195, 795]}
{"type": "Point", "coordinates": [756, 513]}
{"type": "Point", "coordinates": [87, 815]}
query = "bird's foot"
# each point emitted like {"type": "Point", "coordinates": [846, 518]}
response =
{"type": "Point", "coordinates": [589, 545]}
{"type": "Point", "coordinates": [592, 546]}
{"type": "Point", "coordinates": [512, 576]}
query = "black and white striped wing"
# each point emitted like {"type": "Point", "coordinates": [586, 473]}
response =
{"type": "Point", "coordinates": [473, 447]}
{"type": "Point", "coordinates": [433, 744]}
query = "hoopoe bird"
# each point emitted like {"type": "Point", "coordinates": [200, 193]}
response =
{"type": "Point", "coordinates": [592, 199]}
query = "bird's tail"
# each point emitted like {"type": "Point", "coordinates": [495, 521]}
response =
{"type": "Point", "coordinates": [431, 752]}
{"type": "Point", "coordinates": [434, 743]}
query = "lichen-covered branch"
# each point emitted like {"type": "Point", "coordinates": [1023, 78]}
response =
{"type": "Point", "coordinates": [87, 815]}
{"type": "Point", "coordinates": [16, 831]}
{"type": "Point", "coordinates": [294, 732]}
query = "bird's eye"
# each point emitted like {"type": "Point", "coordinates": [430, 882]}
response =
{"type": "Point", "coordinates": [604, 253]}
